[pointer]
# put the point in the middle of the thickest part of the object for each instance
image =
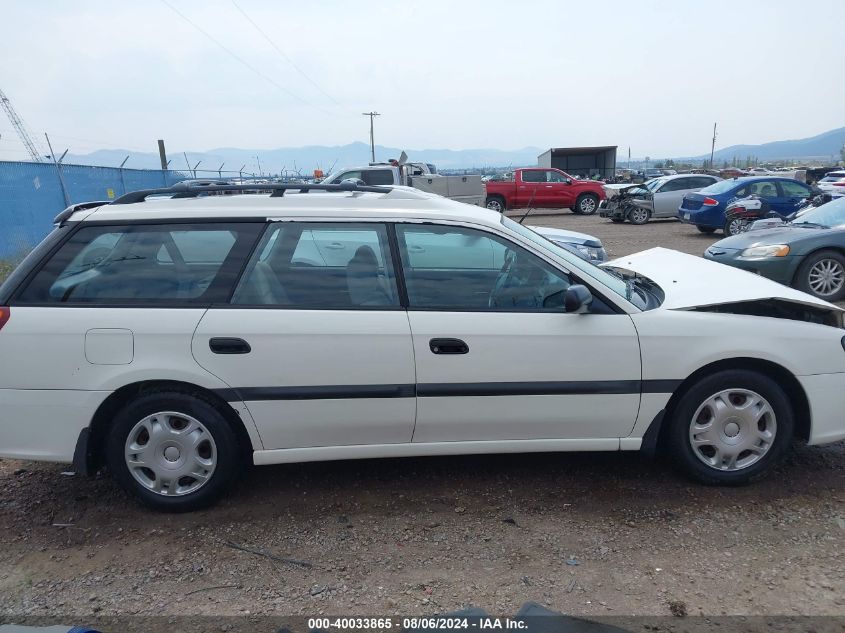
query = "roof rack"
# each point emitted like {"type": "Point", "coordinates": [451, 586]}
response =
{"type": "Point", "coordinates": [187, 190]}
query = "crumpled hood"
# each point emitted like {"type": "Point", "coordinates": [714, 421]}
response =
{"type": "Point", "coordinates": [611, 191]}
{"type": "Point", "coordinates": [693, 282]}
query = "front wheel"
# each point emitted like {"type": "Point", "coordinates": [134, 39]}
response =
{"type": "Point", "coordinates": [174, 451]}
{"type": "Point", "coordinates": [731, 427]}
{"type": "Point", "coordinates": [495, 203]}
{"type": "Point", "coordinates": [707, 230]}
{"type": "Point", "coordinates": [586, 204]}
{"type": "Point", "coordinates": [638, 215]}
{"type": "Point", "coordinates": [822, 275]}
{"type": "Point", "coordinates": [735, 226]}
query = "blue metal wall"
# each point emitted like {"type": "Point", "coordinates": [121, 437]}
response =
{"type": "Point", "coordinates": [31, 196]}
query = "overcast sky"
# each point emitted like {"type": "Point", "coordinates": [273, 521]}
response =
{"type": "Point", "coordinates": [653, 75]}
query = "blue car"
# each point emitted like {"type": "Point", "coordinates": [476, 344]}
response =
{"type": "Point", "coordinates": [706, 208]}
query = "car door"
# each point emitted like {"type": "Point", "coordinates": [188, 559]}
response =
{"type": "Point", "coordinates": [492, 363]}
{"type": "Point", "coordinates": [531, 189]}
{"type": "Point", "coordinates": [559, 190]}
{"type": "Point", "coordinates": [315, 341]}
{"type": "Point", "coordinates": [669, 196]}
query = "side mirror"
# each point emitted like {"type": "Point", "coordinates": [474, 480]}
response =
{"type": "Point", "coordinates": [575, 299]}
{"type": "Point", "coordinates": [568, 181]}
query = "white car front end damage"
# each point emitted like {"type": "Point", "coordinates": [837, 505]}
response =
{"type": "Point", "coordinates": [713, 314]}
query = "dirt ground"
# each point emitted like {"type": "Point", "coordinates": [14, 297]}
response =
{"type": "Point", "coordinates": [586, 534]}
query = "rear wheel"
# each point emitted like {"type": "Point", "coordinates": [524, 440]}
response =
{"type": "Point", "coordinates": [496, 203]}
{"type": "Point", "coordinates": [174, 451]}
{"type": "Point", "coordinates": [822, 275]}
{"type": "Point", "coordinates": [586, 204]}
{"type": "Point", "coordinates": [707, 230]}
{"type": "Point", "coordinates": [730, 427]}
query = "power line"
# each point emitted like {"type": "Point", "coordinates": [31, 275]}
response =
{"type": "Point", "coordinates": [243, 61]}
{"type": "Point", "coordinates": [283, 54]}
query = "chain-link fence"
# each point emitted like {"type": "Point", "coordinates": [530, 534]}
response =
{"type": "Point", "coordinates": [32, 194]}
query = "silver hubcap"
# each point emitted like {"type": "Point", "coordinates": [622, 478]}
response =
{"type": "Point", "coordinates": [171, 454]}
{"type": "Point", "coordinates": [826, 277]}
{"type": "Point", "coordinates": [732, 429]}
{"type": "Point", "coordinates": [495, 205]}
{"type": "Point", "coordinates": [639, 215]}
{"type": "Point", "coordinates": [588, 205]}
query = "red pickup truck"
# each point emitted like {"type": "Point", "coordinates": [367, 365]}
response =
{"type": "Point", "coordinates": [542, 187]}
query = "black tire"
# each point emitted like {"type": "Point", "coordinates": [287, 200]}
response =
{"type": "Point", "coordinates": [638, 216]}
{"type": "Point", "coordinates": [679, 443]}
{"type": "Point", "coordinates": [229, 454]}
{"type": "Point", "coordinates": [831, 259]}
{"type": "Point", "coordinates": [734, 226]}
{"type": "Point", "coordinates": [586, 204]}
{"type": "Point", "coordinates": [617, 220]}
{"type": "Point", "coordinates": [495, 203]}
{"type": "Point", "coordinates": [707, 230]}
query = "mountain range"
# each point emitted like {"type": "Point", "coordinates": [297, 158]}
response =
{"type": "Point", "coordinates": [306, 159]}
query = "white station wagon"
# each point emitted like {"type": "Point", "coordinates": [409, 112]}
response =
{"type": "Point", "coordinates": [175, 336]}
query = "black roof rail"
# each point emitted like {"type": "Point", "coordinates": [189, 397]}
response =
{"type": "Point", "coordinates": [80, 206]}
{"type": "Point", "coordinates": [187, 190]}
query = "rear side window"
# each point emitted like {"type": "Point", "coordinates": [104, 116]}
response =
{"type": "Point", "coordinates": [321, 266]}
{"type": "Point", "coordinates": [157, 264]}
{"type": "Point", "coordinates": [794, 189]}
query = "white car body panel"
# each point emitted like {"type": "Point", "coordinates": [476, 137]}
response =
{"type": "Point", "coordinates": [314, 349]}
{"type": "Point", "coordinates": [562, 348]}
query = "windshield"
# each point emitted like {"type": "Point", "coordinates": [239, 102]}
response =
{"type": "Point", "coordinates": [830, 214]}
{"type": "Point", "coordinates": [653, 184]}
{"type": "Point", "coordinates": [617, 284]}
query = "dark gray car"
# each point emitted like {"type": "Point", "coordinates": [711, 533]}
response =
{"type": "Point", "coordinates": [807, 253]}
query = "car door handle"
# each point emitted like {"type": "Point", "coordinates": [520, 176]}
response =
{"type": "Point", "coordinates": [416, 249]}
{"type": "Point", "coordinates": [227, 345]}
{"type": "Point", "coordinates": [335, 246]}
{"type": "Point", "coordinates": [448, 346]}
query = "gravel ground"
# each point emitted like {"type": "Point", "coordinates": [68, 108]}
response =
{"type": "Point", "coordinates": [586, 534]}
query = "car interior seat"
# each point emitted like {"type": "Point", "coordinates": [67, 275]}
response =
{"type": "Point", "coordinates": [365, 286]}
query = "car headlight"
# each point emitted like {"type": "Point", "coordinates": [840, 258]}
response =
{"type": "Point", "coordinates": [774, 250]}
{"type": "Point", "coordinates": [588, 251]}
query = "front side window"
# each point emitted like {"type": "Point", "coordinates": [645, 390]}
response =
{"type": "Point", "coordinates": [463, 269]}
{"type": "Point", "coordinates": [315, 265]}
{"type": "Point", "coordinates": [554, 176]}
{"type": "Point", "coordinates": [144, 264]}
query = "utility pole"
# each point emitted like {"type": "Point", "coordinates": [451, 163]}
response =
{"type": "Point", "coordinates": [162, 154]}
{"type": "Point", "coordinates": [58, 171]}
{"type": "Point", "coordinates": [372, 115]}
{"type": "Point", "coordinates": [713, 146]}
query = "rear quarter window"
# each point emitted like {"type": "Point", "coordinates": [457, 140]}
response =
{"type": "Point", "coordinates": [132, 264]}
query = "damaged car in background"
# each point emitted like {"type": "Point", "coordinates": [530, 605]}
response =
{"type": "Point", "coordinates": [656, 198]}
